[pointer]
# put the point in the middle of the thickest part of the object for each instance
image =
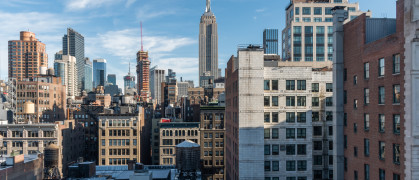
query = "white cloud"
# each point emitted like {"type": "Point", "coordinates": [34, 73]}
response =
{"type": "Point", "coordinates": [260, 10]}
{"type": "Point", "coordinates": [147, 12]}
{"type": "Point", "coordinates": [75, 5]}
{"type": "Point", "coordinates": [125, 43]}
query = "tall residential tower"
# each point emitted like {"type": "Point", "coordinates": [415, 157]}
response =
{"type": "Point", "coordinates": [270, 41]}
{"type": "Point", "coordinates": [208, 46]}
{"type": "Point", "coordinates": [73, 45]}
{"type": "Point", "coordinates": [27, 56]}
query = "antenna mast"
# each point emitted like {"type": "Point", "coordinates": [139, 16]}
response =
{"type": "Point", "coordinates": [141, 24]}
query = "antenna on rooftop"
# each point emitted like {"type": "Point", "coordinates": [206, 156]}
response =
{"type": "Point", "coordinates": [141, 24]}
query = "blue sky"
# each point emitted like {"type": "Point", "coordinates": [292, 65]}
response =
{"type": "Point", "coordinates": [170, 28]}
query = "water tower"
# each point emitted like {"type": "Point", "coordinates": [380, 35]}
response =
{"type": "Point", "coordinates": [188, 159]}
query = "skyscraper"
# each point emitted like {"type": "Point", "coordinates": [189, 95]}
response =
{"type": "Point", "coordinates": [143, 73]}
{"type": "Point", "coordinates": [208, 46]}
{"type": "Point", "coordinates": [65, 67]}
{"type": "Point", "coordinates": [129, 80]}
{"type": "Point", "coordinates": [87, 80]}
{"type": "Point", "coordinates": [27, 57]}
{"type": "Point", "coordinates": [99, 72]}
{"type": "Point", "coordinates": [270, 41]}
{"type": "Point", "coordinates": [73, 44]}
{"type": "Point", "coordinates": [112, 79]}
{"type": "Point", "coordinates": [156, 78]}
{"type": "Point", "coordinates": [308, 35]}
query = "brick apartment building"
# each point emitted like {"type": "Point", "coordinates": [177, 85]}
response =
{"type": "Point", "coordinates": [373, 97]}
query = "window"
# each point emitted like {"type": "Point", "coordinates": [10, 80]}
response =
{"type": "Point", "coordinates": [275, 117]}
{"type": "Point", "coordinates": [345, 141]}
{"type": "Point", "coordinates": [301, 165]}
{"type": "Point", "coordinates": [356, 151]}
{"type": "Point", "coordinates": [329, 116]}
{"type": "Point", "coordinates": [268, 149]}
{"type": "Point", "coordinates": [396, 153]}
{"type": "Point", "coordinates": [317, 130]}
{"type": "Point", "coordinates": [355, 80]}
{"type": "Point", "coordinates": [274, 84]}
{"type": "Point", "coordinates": [266, 85]}
{"type": "Point", "coordinates": [382, 150]}
{"type": "Point", "coordinates": [290, 117]}
{"type": "Point", "coordinates": [317, 160]}
{"type": "Point", "coordinates": [266, 101]}
{"type": "Point", "coordinates": [320, 30]}
{"type": "Point", "coordinates": [306, 19]}
{"type": "Point", "coordinates": [355, 104]}
{"type": "Point", "coordinates": [290, 85]}
{"type": "Point", "coordinates": [301, 85]}
{"type": "Point", "coordinates": [301, 149]}
{"type": "Point", "coordinates": [366, 122]}
{"type": "Point", "coordinates": [290, 101]}
{"type": "Point", "coordinates": [367, 171]}
{"type": "Point", "coordinates": [275, 134]}
{"type": "Point", "coordinates": [396, 124]}
{"type": "Point", "coordinates": [382, 122]}
{"type": "Point", "coordinates": [366, 70]}
{"type": "Point", "coordinates": [330, 130]}
{"type": "Point", "coordinates": [267, 117]}
{"type": "Point", "coordinates": [301, 101]}
{"type": "Point", "coordinates": [275, 165]}
{"type": "Point", "coordinates": [274, 100]}
{"type": "Point", "coordinates": [290, 149]}
{"type": "Point", "coordinates": [301, 117]}
{"type": "Point", "coordinates": [366, 147]}
{"type": "Point", "coordinates": [315, 116]}
{"type": "Point", "coordinates": [396, 64]}
{"type": "Point", "coordinates": [317, 145]}
{"type": "Point", "coordinates": [381, 67]}
{"type": "Point", "coordinates": [382, 174]}
{"type": "Point", "coordinates": [290, 165]}
{"type": "Point", "coordinates": [267, 133]}
{"type": "Point", "coordinates": [396, 94]}
{"type": "Point", "coordinates": [355, 128]}
{"type": "Point", "coordinates": [306, 11]}
{"type": "Point", "coordinates": [315, 87]}
{"type": "Point", "coordinates": [275, 149]}
{"type": "Point", "coordinates": [381, 95]}
{"type": "Point", "coordinates": [297, 11]}
{"type": "Point", "coordinates": [315, 101]}
{"type": "Point", "coordinates": [290, 133]}
{"type": "Point", "coordinates": [329, 101]}
{"type": "Point", "coordinates": [309, 48]}
{"type": "Point", "coordinates": [317, 11]}
{"type": "Point", "coordinates": [297, 29]}
{"type": "Point", "coordinates": [301, 133]}
{"type": "Point", "coordinates": [396, 176]}
{"type": "Point", "coordinates": [329, 87]}
{"type": "Point", "coordinates": [320, 50]}
{"type": "Point", "coordinates": [330, 30]}
{"type": "Point", "coordinates": [267, 166]}
{"type": "Point", "coordinates": [366, 96]}
{"type": "Point", "coordinates": [328, 11]}
{"type": "Point", "coordinates": [308, 29]}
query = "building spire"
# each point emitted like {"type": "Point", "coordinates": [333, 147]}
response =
{"type": "Point", "coordinates": [208, 9]}
{"type": "Point", "coordinates": [141, 24]}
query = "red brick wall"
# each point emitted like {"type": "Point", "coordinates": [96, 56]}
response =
{"type": "Point", "coordinates": [356, 53]}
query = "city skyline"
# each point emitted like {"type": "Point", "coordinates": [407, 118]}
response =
{"type": "Point", "coordinates": [168, 48]}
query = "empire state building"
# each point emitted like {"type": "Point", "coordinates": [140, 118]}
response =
{"type": "Point", "coordinates": [208, 47]}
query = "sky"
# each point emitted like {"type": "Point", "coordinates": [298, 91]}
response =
{"type": "Point", "coordinates": [170, 28]}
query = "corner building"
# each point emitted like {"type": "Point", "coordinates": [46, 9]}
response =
{"type": "Point", "coordinates": [308, 35]}
{"type": "Point", "coordinates": [278, 118]}
{"type": "Point", "coordinates": [374, 84]}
